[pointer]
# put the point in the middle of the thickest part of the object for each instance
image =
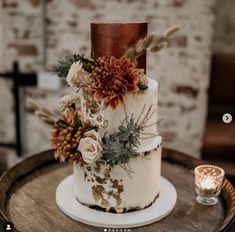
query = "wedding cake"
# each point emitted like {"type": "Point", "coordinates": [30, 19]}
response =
{"type": "Point", "coordinates": [108, 127]}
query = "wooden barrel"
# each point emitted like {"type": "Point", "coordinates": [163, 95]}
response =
{"type": "Point", "coordinates": [27, 193]}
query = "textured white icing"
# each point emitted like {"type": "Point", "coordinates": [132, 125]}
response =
{"type": "Point", "coordinates": [139, 189]}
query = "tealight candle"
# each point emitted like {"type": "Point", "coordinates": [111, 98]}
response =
{"type": "Point", "coordinates": [208, 181]}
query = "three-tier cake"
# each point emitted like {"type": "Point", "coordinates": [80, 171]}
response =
{"type": "Point", "coordinates": [108, 127]}
{"type": "Point", "coordinates": [116, 189]}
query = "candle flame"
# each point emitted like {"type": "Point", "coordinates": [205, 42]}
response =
{"type": "Point", "coordinates": [208, 183]}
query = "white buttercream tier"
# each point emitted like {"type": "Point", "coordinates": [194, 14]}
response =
{"type": "Point", "coordinates": [114, 189]}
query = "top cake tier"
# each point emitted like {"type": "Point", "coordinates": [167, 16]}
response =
{"type": "Point", "coordinates": [113, 39]}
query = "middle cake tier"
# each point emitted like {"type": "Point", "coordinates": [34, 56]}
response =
{"type": "Point", "coordinates": [142, 107]}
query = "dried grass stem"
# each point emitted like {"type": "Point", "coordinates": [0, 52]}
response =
{"type": "Point", "coordinates": [152, 43]}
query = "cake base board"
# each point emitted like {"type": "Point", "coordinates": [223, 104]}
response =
{"type": "Point", "coordinates": [163, 205]}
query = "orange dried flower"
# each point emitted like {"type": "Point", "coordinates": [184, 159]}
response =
{"type": "Point", "coordinates": [66, 135]}
{"type": "Point", "coordinates": [118, 77]}
{"type": "Point", "coordinates": [98, 68]}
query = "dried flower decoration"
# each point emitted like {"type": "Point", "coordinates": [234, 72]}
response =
{"type": "Point", "coordinates": [43, 113]}
{"type": "Point", "coordinates": [68, 100]}
{"type": "Point", "coordinates": [104, 82]}
{"type": "Point", "coordinates": [152, 42]}
{"type": "Point", "coordinates": [119, 76]}
{"type": "Point", "coordinates": [158, 47]}
{"type": "Point", "coordinates": [170, 31]}
{"type": "Point", "coordinates": [67, 134]}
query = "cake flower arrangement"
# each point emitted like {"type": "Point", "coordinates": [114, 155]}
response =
{"type": "Point", "coordinates": [101, 84]}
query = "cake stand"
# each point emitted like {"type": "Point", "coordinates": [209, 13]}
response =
{"type": "Point", "coordinates": [163, 205]}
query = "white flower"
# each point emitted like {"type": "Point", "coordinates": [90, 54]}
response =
{"type": "Point", "coordinates": [76, 74]}
{"type": "Point", "coordinates": [93, 134]}
{"type": "Point", "coordinates": [90, 147]}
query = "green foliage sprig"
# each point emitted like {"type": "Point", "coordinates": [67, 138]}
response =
{"type": "Point", "coordinates": [63, 66]}
{"type": "Point", "coordinates": [120, 146]}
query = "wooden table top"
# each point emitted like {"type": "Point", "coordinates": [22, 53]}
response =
{"type": "Point", "coordinates": [27, 194]}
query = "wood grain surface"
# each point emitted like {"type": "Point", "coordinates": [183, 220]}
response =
{"type": "Point", "coordinates": [28, 198]}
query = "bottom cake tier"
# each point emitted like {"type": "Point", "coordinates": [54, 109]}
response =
{"type": "Point", "coordinates": [120, 189]}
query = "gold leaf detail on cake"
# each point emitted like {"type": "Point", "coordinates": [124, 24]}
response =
{"type": "Point", "coordinates": [119, 188]}
{"type": "Point", "coordinates": [104, 187]}
{"type": "Point", "coordinates": [100, 180]}
{"type": "Point", "coordinates": [98, 194]}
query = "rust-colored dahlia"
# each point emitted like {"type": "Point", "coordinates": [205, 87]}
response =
{"type": "Point", "coordinates": [117, 77]}
{"type": "Point", "coordinates": [66, 135]}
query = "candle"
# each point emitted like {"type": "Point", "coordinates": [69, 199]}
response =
{"type": "Point", "coordinates": [208, 182]}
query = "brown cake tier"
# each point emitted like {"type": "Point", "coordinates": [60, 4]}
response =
{"type": "Point", "coordinates": [113, 39]}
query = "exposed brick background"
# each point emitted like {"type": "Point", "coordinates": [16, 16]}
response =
{"type": "Point", "coordinates": [224, 36]}
{"type": "Point", "coordinates": [182, 69]}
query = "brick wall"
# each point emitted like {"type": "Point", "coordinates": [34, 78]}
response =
{"type": "Point", "coordinates": [224, 36]}
{"type": "Point", "coordinates": [182, 70]}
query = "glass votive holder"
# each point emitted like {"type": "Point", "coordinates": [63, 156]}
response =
{"type": "Point", "coordinates": [208, 181]}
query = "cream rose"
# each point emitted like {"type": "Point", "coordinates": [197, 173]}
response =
{"type": "Point", "coordinates": [76, 74]}
{"type": "Point", "coordinates": [90, 147]}
{"type": "Point", "coordinates": [93, 134]}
